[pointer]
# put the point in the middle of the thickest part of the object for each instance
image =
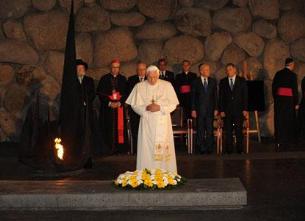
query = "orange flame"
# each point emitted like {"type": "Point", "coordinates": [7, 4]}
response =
{"type": "Point", "coordinates": [59, 148]}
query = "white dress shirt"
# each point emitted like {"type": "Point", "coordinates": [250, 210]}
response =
{"type": "Point", "coordinates": [233, 79]}
{"type": "Point", "coordinates": [204, 78]}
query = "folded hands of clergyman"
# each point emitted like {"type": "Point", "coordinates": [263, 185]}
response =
{"type": "Point", "coordinates": [153, 107]}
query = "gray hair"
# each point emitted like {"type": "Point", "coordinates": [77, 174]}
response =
{"type": "Point", "coordinates": [152, 68]}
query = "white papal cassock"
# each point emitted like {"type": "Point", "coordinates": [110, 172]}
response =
{"type": "Point", "coordinates": [155, 136]}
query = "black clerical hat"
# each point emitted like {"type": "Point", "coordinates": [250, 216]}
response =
{"type": "Point", "coordinates": [81, 62]}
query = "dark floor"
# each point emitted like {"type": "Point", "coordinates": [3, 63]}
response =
{"type": "Point", "coordinates": [275, 182]}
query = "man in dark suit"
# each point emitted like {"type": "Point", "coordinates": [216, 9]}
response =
{"type": "Point", "coordinates": [204, 107]}
{"type": "Point", "coordinates": [233, 101]}
{"type": "Point", "coordinates": [165, 74]}
{"type": "Point", "coordinates": [85, 121]}
{"type": "Point", "coordinates": [134, 117]}
{"type": "Point", "coordinates": [183, 84]}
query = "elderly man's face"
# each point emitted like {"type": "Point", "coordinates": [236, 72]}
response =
{"type": "Point", "coordinates": [81, 70]}
{"type": "Point", "coordinates": [205, 70]}
{"type": "Point", "coordinates": [186, 66]}
{"type": "Point", "coordinates": [152, 77]}
{"type": "Point", "coordinates": [115, 68]}
{"type": "Point", "coordinates": [141, 69]}
{"type": "Point", "coordinates": [231, 71]}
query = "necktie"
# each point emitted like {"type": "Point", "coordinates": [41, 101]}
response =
{"type": "Point", "coordinates": [205, 84]}
{"type": "Point", "coordinates": [231, 84]}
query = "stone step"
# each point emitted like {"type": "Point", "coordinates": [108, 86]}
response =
{"type": "Point", "coordinates": [102, 195]}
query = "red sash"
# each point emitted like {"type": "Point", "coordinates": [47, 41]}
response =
{"type": "Point", "coordinates": [116, 96]}
{"type": "Point", "coordinates": [120, 125]}
{"type": "Point", "coordinates": [184, 89]}
{"type": "Point", "coordinates": [284, 91]}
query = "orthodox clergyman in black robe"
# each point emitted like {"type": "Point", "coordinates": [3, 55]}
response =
{"type": "Point", "coordinates": [285, 95]}
{"type": "Point", "coordinates": [112, 91]}
{"type": "Point", "coordinates": [183, 84]}
{"type": "Point", "coordinates": [134, 117]}
{"type": "Point", "coordinates": [301, 119]}
{"type": "Point", "coordinates": [85, 121]}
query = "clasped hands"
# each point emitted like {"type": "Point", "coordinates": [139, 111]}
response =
{"type": "Point", "coordinates": [115, 105]}
{"type": "Point", "coordinates": [153, 107]}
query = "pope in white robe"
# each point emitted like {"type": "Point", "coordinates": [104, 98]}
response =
{"type": "Point", "coordinates": [154, 100]}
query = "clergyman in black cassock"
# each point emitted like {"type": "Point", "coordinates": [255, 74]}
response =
{"type": "Point", "coordinates": [301, 118]}
{"type": "Point", "coordinates": [233, 103]}
{"type": "Point", "coordinates": [204, 107]}
{"type": "Point", "coordinates": [112, 91]}
{"type": "Point", "coordinates": [165, 74]}
{"type": "Point", "coordinates": [134, 117]}
{"type": "Point", "coordinates": [183, 86]}
{"type": "Point", "coordinates": [285, 95]}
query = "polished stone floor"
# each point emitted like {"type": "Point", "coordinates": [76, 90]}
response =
{"type": "Point", "coordinates": [275, 182]}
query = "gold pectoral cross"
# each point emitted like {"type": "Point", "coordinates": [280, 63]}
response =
{"type": "Point", "coordinates": [153, 100]}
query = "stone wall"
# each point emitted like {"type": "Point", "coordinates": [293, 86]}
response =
{"type": "Point", "coordinates": [32, 39]}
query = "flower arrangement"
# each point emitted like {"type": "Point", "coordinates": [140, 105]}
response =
{"type": "Point", "coordinates": [149, 179]}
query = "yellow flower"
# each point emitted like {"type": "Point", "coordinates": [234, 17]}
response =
{"type": "Point", "coordinates": [159, 179]}
{"type": "Point", "coordinates": [171, 181]}
{"type": "Point", "coordinates": [160, 184]}
{"type": "Point", "coordinates": [124, 182]}
{"type": "Point", "coordinates": [133, 183]}
{"type": "Point", "coordinates": [148, 183]}
{"type": "Point", "coordinates": [145, 176]}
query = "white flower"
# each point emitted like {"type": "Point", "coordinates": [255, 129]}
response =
{"type": "Point", "coordinates": [121, 176]}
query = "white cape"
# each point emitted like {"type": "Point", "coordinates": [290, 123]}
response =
{"type": "Point", "coordinates": [155, 136]}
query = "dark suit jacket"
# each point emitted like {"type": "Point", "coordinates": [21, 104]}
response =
{"type": "Point", "coordinates": [132, 81]}
{"type": "Point", "coordinates": [236, 101]}
{"type": "Point", "coordinates": [86, 97]}
{"type": "Point", "coordinates": [169, 76]}
{"type": "Point", "coordinates": [89, 89]}
{"type": "Point", "coordinates": [204, 102]}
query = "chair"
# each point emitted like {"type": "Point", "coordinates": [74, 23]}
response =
{"type": "Point", "coordinates": [179, 128]}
